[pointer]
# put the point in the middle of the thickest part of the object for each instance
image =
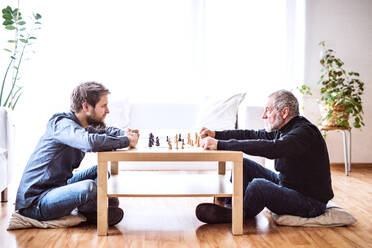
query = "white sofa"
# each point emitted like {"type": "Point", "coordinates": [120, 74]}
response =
{"type": "Point", "coordinates": [7, 138]}
{"type": "Point", "coordinates": [169, 119]}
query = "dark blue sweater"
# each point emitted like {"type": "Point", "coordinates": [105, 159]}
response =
{"type": "Point", "coordinates": [59, 151]}
{"type": "Point", "coordinates": [299, 150]}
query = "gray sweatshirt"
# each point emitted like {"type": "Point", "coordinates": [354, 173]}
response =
{"type": "Point", "coordinates": [59, 151]}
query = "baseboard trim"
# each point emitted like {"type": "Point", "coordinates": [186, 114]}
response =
{"type": "Point", "coordinates": [353, 164]}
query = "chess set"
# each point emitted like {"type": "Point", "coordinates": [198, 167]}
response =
{"type": "Point", "coordinates": [176, 142]}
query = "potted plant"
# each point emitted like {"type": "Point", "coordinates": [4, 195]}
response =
{"type": "Point", "coordinates": [23, 34]}
{"type": "Point", "coordinates": [21, 38]}
{"type": "Point", "coordinates": [340, 92]}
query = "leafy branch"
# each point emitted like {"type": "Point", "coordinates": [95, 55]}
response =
{"type": "Point", "coordinates": [23, 37]}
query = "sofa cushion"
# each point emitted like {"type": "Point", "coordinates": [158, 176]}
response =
{"type": "Point", "coordinates": [219, 113]}
{"type": "Point", "coordinates": [333, 216]}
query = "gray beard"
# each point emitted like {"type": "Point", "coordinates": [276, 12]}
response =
{"type": "Point", "coordinates": [274, 126]}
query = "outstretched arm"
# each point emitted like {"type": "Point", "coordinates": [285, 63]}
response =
{"type": "Point", "coordinates": [244, 134]}
{"type": "Point", "coordinates": [291, 144]}
{"type": "Point", "coordinates": [72, 134]}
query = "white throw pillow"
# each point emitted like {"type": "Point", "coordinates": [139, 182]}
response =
{"type": "Point", "coordinates": [18, 221]}
{"type": "Point", "coordinates": [219, 113]}
{"type": "Point", "coordinates": [333, 216]}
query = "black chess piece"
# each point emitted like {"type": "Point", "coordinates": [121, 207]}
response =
{"type": "Point", "coordinates": [167, 139]}
{"type": "Point", "coordinates": [151, 140]}
{"type": "Point", "coordinates": [157, 141]}
{"type": "Point", "coordinates": [179, 138]}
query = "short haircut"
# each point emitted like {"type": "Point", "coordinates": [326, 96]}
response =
{"type": "Point", "coordinates": [89, 92]}
{"type": "Point", "coordinates": [285, 98]}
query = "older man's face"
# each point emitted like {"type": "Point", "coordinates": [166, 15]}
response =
{"type": "Point", "coordinates": [273, 118]}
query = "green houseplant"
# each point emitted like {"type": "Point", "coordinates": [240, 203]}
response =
{"type": "Point", "coordinates": [340, 92]}
{"type": "Point", "coordinates": [22, 38]}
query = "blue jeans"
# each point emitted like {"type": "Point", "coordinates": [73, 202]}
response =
{"type": "Point", "coordinates": [262, 189]}
{"type": "Point", "coordinates": [80, 192]}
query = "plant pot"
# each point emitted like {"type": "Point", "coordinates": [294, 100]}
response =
{"type": "Point", "coordinates": [7, 149]}
{"type": "Point", "coordinates": [338, 117]}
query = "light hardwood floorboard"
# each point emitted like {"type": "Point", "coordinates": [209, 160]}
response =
{"type": "Point", "coordinates": [171, 222]}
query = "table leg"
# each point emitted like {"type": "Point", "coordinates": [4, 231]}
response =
{"type": "Point", "coordinates": [114, 167]}
{"type": "Point", "coordinates": [102, 205]}
{"type": "Point", "coordinates": [237, 201]}
{"type": "Point", "coordinates": [346, 157]}
{"type": "Point", "coordinates": [349, 150]}
{"type": "Point", "coordinates": [221, 168]}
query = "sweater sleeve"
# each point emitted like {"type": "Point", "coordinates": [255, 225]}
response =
{"type": "Point", "coordinates": [244, 134]}
{"type": "Point", "coordinates": [113, 131]}
{"type": "Point", "coordinates": [291, 144]}
{"type": "Point", "coordinates": [70, 133]}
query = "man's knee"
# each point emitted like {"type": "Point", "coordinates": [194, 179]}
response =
{"type": "Point", "coordinates": [89, 187]}
{"type": "Point", "coordinates": [258, 186]}
{"type": "Point", "coordinates": [248, 162]}
{"type": "Point", "coordinates": [250, 167]}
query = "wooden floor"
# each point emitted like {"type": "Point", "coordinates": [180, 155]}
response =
{"type": "Point", "coordinates": [171, 222]}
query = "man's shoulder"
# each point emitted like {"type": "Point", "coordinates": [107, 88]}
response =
{"type": "Point", "coordinates": [65, 117]}
{"type": "Point", "coordinates": [304, 125]}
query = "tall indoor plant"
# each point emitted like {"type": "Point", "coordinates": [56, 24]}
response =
{"type": "Point", "coordinates": [340, 92]}
{"type": "Point", "coordinates": [23, 36]}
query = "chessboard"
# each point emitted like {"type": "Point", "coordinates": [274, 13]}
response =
{"type": "Point", "coordinates": [178, 141]}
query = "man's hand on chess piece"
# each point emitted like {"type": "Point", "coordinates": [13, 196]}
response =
{"type": "Point", "coordinates": [205, 132]}
{"type": "Point", "coordinates": [209, 143]}
{"type": "Point", "coordinates": [133, 138]}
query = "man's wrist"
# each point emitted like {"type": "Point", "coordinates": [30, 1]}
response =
{"type": "Point", "coordinates": [217, 134]}
{"type": "Point", "coordinates": [221, 145]}
{"type": "Point", "coordinates": [125, 142]}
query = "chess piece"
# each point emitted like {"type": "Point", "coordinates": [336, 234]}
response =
{"type": "Point", "coordinates": [176, 138]}
{"type": "Point", "coordinates": [183, 144]}
{"type": "Point", "coordinates": [157, 141]}
{"type": "Point", "coordinates": [169, 145]}
{"type": "Point", "coordinates": [188, 139]}
{"type": "Point", "coordinates": [167, 138]}
{"type": "Point", "coordinates": [198, 142]}
{"type": "Point", "coordinates": [179, 137]}
{"type": "Point", "coordinates": [151, 140]}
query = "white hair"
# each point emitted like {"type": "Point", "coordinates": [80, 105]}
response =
{"type": "Point", "coordinates": [285, 98]}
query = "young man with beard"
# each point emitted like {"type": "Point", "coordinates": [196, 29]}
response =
{"type": "Point", "coordinates": [48, 188]}
{"type": "Point", "coordinates": [303, 185]}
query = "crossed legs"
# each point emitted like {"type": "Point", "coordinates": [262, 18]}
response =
{"type": "Point", "coordinates": [262, 189]}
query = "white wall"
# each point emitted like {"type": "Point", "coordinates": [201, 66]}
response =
{"type": "Point", "coordinates": [346, 26]}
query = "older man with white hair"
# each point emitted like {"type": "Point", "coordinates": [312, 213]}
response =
{"type": "Point", "coordinates": [303, 186]}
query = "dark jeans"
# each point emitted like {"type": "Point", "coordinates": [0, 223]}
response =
{"type": "Point", "coordinates": [80, 192]}
{"type": "Point", "coordinates": [262, 189]}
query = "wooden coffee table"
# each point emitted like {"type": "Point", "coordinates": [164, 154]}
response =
{"type": "Point", "coordinates": [215, 185]}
